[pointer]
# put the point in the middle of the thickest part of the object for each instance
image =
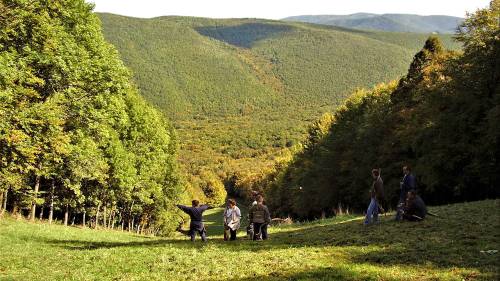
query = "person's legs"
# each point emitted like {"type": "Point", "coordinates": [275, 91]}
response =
{"type": "Point", "coordinates": [203, 234]}
{"type": "Point", "coordinates": [263, 230]}
{"type": "Point", "coordinates": [257, 228]}
{"type": "Point", "coordinates": [411, 217]}
{"type": "Point", "coordinates": [399, 212]}
{"type": "Point", "coordinates": [250, 231]}
{"type": "Point", "coordinates": [233, 234]}
{"type": "Point", "coordinates": [370, 211]}
{"type": "Point", "coordinates": [375, 211]}
{"type": "Point", "coordinates": [192, 233]}
{"type": "Point", "coordinates": [226, 230]}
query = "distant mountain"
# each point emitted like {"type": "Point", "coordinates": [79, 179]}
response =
{"type": "Point", "coordinates": [386, 22]}
{"type": "Point", "coordinates": [241, 90]}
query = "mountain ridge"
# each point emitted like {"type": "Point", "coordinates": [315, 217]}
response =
{"type": "Point", "coordinates": [241, 91]}
{"type": "Point", "coordinates": [386, 22]}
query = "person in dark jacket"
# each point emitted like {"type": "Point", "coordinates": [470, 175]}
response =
{"type": "Point", "coordinates": [260, 217]}
{"type": "Point", "coordinates": [407, 184]}
{"type": "Point", "coordinates": [377, 196]}
{"type": "Point", "coordinates": [195, 212]}
{"type": "Point", "coordinates": [415, 209]}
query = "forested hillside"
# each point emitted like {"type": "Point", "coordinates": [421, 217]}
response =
{"type": "Point", "coordinates": [442, 119]}
{"type": "Point", "coordinates": [77, 142]}
{"type": "Point", "coordinates": [386, 22]}
{"type": "Point", "coordinates": [240, 91]}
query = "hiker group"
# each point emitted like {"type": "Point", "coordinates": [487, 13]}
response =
{"type": "Point", "coordinates": [410, 207]}
{"type": "Point", "coordinates": [258, 218]}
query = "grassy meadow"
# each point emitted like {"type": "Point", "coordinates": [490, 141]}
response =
{"type": "Point", "coordinates": [447, 247]}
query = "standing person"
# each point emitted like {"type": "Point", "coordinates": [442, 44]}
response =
{"type": "Point", "coordinates": [260, 218]}
{"type": "Point", "coordinates": [377, 195]}
{"type": "Point", "coordinates": [250, 227]}
{"type": "Point", "coordinates": [195, 212]}
{"type": "Point", "coordinates": [232, 219]}
{"type": "Point", "coordinates": [407, 184]}
{"type": "Point", "coordinates": [255, 195]}
{"type": "Point", "coordinates": [415, 209]}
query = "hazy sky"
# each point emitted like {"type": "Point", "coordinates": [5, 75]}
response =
{"type": "Point", "coordinates": [277, 9]}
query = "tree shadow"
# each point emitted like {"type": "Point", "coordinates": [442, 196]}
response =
{"type": "Point", "coordinates": [451, 240]}
{"type": "Point", "coordinates": [318, 274]}
{"type": "Point", "coordinates": [244, 35]}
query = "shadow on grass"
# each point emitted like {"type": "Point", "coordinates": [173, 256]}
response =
{"type": "Point", "coordinates": [244, 35]}
{"type": "Point", "coordinates": [318, 274]}
{"type": "Point", "coordinates": [452, 240]}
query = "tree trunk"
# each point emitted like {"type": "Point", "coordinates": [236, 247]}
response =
{"type": "Point", "coordinates": [111, 220]}
{"type": "Point", "coordinates": [51, 207]}
{"type": "Point", "coordinates": [33, 204]}
{"type": "Point", "coordinates": [73, 221]}
{"type": "Point", "coordinates": [4, 203]}
{"type": "Point", "coordinates": [97, 216]}
{"type": "Point", "coordinates": [131, 217]}
{"type": "Point", "coordinates": [83, 219]}
{"type": "Point", "coordinates": [66, 215]}
{"type": "Point", "coordinates": [41, 213]}
{"type": "Point", "coordinates": [104, 211]}
{"type": "Point", "coordinates": [120, 220]}
{"type": "Point", "coordinates": [15, 209]}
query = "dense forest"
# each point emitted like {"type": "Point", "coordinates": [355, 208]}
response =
{"type": "Point", "coordinates": [107, 123]}
{"type": "Point", "coordinates": [77, 142]}
{"type": "Point", "coordinates": [442, 119]}
{"type": "Point", "coordinates": [241, 92]}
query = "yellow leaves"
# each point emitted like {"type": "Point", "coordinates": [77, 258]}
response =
{"type": "Point", "coordinates": [16, 137]}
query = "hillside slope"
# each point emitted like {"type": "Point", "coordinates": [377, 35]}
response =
{"type": "Point", "coordinates": [386, 22]}
{"type": "Point", "coordinates": [241, 90]}
{"type": "Point", "coordinates": [449, 247]}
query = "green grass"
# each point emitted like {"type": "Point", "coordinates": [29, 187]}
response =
{"type": "Point", "coordinates": [443, 248]}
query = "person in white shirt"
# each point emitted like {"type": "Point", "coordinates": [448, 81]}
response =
{"type": "Point", "coordinates": [232, 220]}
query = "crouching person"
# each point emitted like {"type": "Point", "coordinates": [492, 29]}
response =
{"type": "Point", "coordinates": [260, 218]}
{"type": "Point", "coordinates": [196, 225]}
{"type": "Point", "coordinates": [415, 209]}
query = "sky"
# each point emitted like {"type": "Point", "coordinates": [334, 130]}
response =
{"type": "Point", "coordinates": [277, 9]}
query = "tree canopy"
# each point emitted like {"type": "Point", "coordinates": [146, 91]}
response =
{"type": "Point", "coordinates": [442, 119]}
{"type": "Point", "coordinates": [75, 136]}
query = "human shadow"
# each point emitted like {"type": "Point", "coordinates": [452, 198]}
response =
{"type": "Point", "coordinates": [440, 242]}
{"type": "Point", "coordinates": [244, 35]}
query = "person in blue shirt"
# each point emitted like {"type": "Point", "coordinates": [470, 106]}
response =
{"type": "Point", "coordinates": [196, 225]}
{"type": "Point", "coordinates": [407, 184]}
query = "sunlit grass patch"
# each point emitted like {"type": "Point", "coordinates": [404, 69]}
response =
{"type": "Point", "coordinates": [440, 248]}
